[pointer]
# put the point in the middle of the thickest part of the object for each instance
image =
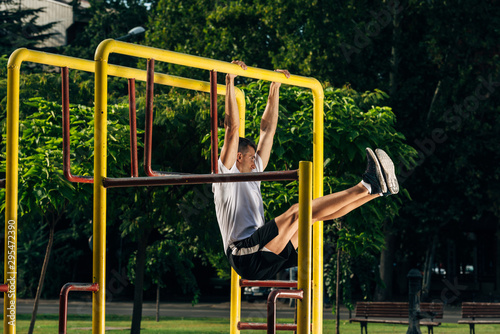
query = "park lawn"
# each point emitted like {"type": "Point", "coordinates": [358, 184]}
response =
{"type": "Point", "coordinates": [121, 324]}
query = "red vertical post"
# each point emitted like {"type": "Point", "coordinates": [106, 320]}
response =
{"type": "Point", "coordinates": [63, 301]}
{"type": "Point", "coordinates": [65, 121]}
{"type": "Point", "coordinates": [271, 305]}
{"type": "Point", "coordinates": [65, 132]}
{"type": "Point", "coordinates": [148, 135]}
{"type": "Point", "coordinates": [134, 169]}
{"type": "Point", "coordinates": [213, 122]}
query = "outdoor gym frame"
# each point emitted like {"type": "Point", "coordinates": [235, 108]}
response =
{"type": "Point", "coordinates": [110, 46]}
{"type": "Point", "coordinates": [102, 69]}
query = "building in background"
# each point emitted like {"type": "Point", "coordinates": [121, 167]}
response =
{"type": "Point", "coordinates": [58, 11]}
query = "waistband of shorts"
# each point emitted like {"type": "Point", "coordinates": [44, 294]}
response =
{"type": "Point", "coordinates": [235, 251]}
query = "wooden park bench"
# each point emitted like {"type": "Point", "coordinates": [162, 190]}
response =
{"type": "Point", "coordinates": [394, 313]}
{"type": "Point", "coordinates": [480, 313]}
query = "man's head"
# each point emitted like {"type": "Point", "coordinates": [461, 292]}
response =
{"type": "Point", "coordinates": [244, 144]}
{"type": "Point", "coordinates": [245, 161]}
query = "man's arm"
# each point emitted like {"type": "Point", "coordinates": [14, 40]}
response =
{"type": "Point", "coordinates": [269, 121]}
{"type": "Point", "coordinates": [231, 122]}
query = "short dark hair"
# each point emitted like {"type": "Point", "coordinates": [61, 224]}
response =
{"type": "Point", "coordinates": [244, 143]}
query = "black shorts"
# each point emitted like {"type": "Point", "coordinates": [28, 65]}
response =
{"type": "Point", "coordinates": [251, 261]}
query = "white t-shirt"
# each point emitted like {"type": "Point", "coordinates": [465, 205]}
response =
{"type": "Point", "coordinates": [238, 205]}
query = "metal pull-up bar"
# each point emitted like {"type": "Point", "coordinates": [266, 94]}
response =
{"type": "Point", "coordinates": [110, 182]}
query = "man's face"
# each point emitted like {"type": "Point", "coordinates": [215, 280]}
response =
{"type": "Point", "coordinates": [246, 161]}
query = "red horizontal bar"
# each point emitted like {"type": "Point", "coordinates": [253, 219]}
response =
{"type": "Point", "coordinates": [4, 287]}
{"type": "Point", "coordinates": [79, 287]}
{"type": "Point", "coordinates": [268, 284]}
{"type": "Point", "coordinates": [263, 326]}
{"type": "Point", "coordinates": [199, 179]}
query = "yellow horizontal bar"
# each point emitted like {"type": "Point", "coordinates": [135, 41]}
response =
{"type": "Point", "coordinates": [23, 54]}
{"type": "Point", "coordinates": [109, 46]}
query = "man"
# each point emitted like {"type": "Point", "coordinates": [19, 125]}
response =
{"type": "Point", "coordinates": [254, 248]}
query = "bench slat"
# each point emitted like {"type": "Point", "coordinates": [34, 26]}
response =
{"type": "Point", "coordinates": [479, 322]}
{"type": "Point", "coordinates": [380, 321]}
{"type": "Point", "coordinates": [389, 321]}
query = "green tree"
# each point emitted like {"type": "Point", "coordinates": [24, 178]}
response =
{"type": "Point", "coordinates": [225, 31]}
{"type": "Point", "coordinates": [333, 41]}
{"type": "Point", "coordinates": [448, 120]}
{"type": "Point", "coordinates": [107, 19]}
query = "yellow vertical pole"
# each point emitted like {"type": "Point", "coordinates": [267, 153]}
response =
{"type": "Point", "coordinates": [99, 227]}
{"type": "Point", "coordinates": [305, 251]}
{"type": "Point", "coordinates": [11, 198]}
{"type": "Point", "coordinates": [318, 135]}
{"type": "Point", "coordinates": [235, 310]}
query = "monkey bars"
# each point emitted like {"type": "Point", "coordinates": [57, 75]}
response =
{"type": "Point", "coordinates": [102, 71]}
{"type": "Point", "coordinates": [101, 181]}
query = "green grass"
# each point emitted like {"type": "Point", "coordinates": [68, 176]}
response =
{"type": "Point", "coordinates": [121, 324]}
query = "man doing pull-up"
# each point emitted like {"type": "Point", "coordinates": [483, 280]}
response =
{"type": "Point", "coordinates": [257, 249]}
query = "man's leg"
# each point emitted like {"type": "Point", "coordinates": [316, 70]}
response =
{"type": "Point", "coordinates": [340, 213]}
{"type": "Point", "coordinates": [337, 204]}
{"type": "Point", "coordinates": [323, 208]}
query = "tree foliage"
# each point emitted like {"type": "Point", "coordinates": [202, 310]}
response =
{"type": "Point", "coordinates": [106, 19]}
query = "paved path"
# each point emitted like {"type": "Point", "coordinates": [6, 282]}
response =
{"type": "Point", "coordinates": [218, 310]}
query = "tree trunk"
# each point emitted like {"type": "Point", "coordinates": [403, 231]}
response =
{"type": "Point", "coordinates": [429, 261]}
{"type": "Point", "coordinates": [395, 58]}
{"type": "Point", "coordinates": [142, 243]}
{"type": "Point", "coordinates": [42, 276]}
{"type": "Point", "coordinates": [337, 294]}
{"type": "Point", "coordinates": [384, 293]}
{"type": "Point", "coordinates": [158, 303]}
{"type": "Point", "coordinates": [433, 101]}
